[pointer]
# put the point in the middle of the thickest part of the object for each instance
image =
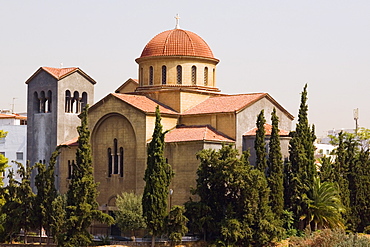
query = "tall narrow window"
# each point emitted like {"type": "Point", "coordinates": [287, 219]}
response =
{"type": "Point", "coordinates": [67, 107]}
{"type": "Point", "coordinates": [205, 76]}
{"type": "Point", "coordinates": [42, 102]}
{"type": "Point", "coordinates": [214, 77]}
{"type": "Point", "coordinates": [194, 75]}
{"type": "Point", "coordinates": [36, 102]}
{"type": "Point", "coordinates": [115, 167]}
{"type": "Point", "coordinates": [121, 161]}
{"type": "Point", "coordinates": [151, 75]}
{"type": "Point", "coordinates": [75, 103]}
{"type": "Point", "coordinates": [164, 74]}
{"type": "Point", "coordinates": [84, 100]}
{"type": "Point", "coordinates": [141, 77]}
{"type": "Point", "coordinates": [70, 169]}
{"type": "Point", "coordinates": [49, 101]}
{"type": "Point", "coordinates": [179, 74]}
{"type": "Point", "coordinates": [110, 163]}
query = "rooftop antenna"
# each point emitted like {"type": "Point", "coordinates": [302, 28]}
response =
{"type": "Point", "coordinates": [355, 117]}
{"type": "Point", "coordinates": [13, 105]}
{"type": "Point", "coordinates": [177, 17]}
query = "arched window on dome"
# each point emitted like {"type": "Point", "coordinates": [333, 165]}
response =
{"type": "Point", "coordinates": [206, 76]}
{"type": "Point", "coordinates": [194, 75]}
{"type": "Point", "coordinates": [151, 75]}
{"type": "Point", "coordinates": [164, 74]}
{"type": "Point", "coordinates": [179, 74]}
{"type": "Point", "coordinates": [214, 77]}
{"type": "Point", "coordinates": [141, 77]}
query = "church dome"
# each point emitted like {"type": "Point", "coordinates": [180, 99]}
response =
{"type": "Point", "coordinates": [177, 42]}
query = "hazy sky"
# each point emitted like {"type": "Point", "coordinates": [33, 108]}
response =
{"type": "Point", "coordinates": [264, 46]}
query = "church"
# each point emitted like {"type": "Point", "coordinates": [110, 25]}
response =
{"type": "Point", "coordinates": [176, 71]}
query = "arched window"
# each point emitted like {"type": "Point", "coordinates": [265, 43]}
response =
{"type": "Point", "coordinates": [151, 75]}
{"type": "Point", "coordinates": [115, 166]}
{"type": "Point", "coordinates": [141, 78]}
{"type": "Point", "coordinates": [42, 102]}
{"type": "Point", "coordinates": [36, 102]}
{"type": "Point", "coordinates": [115, 159]}
{"type": "Point", "coordinates": [84, 100]}
{"type": "Point", "coordinates": [179, 74]}
{"type": "Point", "coordinates": [110, 164]}
{"type": "Point", "coordinates": [48, 101]}
{"type": "Point", "coordinates": [75, 105]}
{"type": "Point", "coordinates": [214, 77]}
{"type": "Point", "coordinates": [194, 75]}
{"type": "Point", "coordinates": [205, 76]}
{"type": "Point", "coordinates": [121, 154]}
{"type": "Point", "coordinates": [67, 104]}
{"type": "Point", "coordinates": [164, 74]}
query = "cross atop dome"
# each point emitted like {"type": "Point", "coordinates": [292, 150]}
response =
{"type": "Point", "coordinates": [177, 17]}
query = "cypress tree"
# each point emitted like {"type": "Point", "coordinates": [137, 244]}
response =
{"type": "Point", "coordinates": [82, 206]}
{"type": "Point", "coordinates": [275, 169]}
{"type": "Point", "coordinates": [302, 164]}
{"type": "Point", "coordinates": [158, 175]}
{"type": "Point", "coordinates": [260, 144]}
{"type": "Point", "coordinates": [46, 192]}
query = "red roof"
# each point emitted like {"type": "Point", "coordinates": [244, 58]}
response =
{"type": "Point", "coordinates": [227, 103]}
{"type": "Point", "coordinates": [72, 142]}
{"type": "Point", "coordinates": [196, 133]}
{"type": "Point", "coordinates": [268, 129]}
{"type": "Point", "coordinates": [143, 103]}
{"type": "Point", "coordinates": [16, 116]}
{"type": "Point", "coordinates": [59, 73]}
{"type": "Point", "coordinates": [177, 42]}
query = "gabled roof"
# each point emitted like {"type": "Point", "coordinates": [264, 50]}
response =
{"type": "Point", "coordinates": [268, 129]}
{"type": "Point", "coordinates": [134, 82]}
{"type": "Point", "coordinates": [231, 103]}
{"type": "Point", "coordinates": [225, 103]}
{"type": "Point", "coordinates": [196, 133]}
{"type": "Point", "coordinates": [144, 103]}
{"type": "Point", "coordinates": [16, 116]}
{"type": "Point", "coordinates": [72, 142]}
{"type": "Point", "coordinates": [60, 73]}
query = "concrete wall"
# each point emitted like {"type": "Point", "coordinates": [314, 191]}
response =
{"type": "Point", "coordinates": [13, 143]}
{"type": "Point", "coordinates": [247, 118]}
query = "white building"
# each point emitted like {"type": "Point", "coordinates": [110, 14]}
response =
{"type": "Point", "coordinates": [14, 145]}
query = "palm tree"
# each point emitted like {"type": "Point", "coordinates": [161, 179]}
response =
{"type": "Point", "coordinates": [324, 206]}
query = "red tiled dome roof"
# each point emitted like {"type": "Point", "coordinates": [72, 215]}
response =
{"type": "Point", "coordinates": [177, 42]}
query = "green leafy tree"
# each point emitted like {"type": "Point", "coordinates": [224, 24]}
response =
{"type": "Point", "coordinates": [301, 170]}
{"type": "Point", "coordinates": [82, 207]}
{"type": "Point", "coordinates": [3, 164]}
{"type": "Point", "coordinates": [26, 198]}
{"type": "Point", "coordinates": [260, 144]}
{"type": "Point", "coordinates": [237, 196]}
{"type": "Point", "coordinates": [275, 169]}
{"type": "Point", "coordinates": [158, 175]}
{"type": "Point", "coordinates": [176, 224]}
{"type": "Point", "coordinates": [46, 192]}
{"type": "Point", "coordinates": [12, 222]}
{"type": "Point", "coordinates": [324, 206]}
{"type": "Point", "coordinates": [58, 219]}
{"type": "Point", "coordinates": [129, 214]}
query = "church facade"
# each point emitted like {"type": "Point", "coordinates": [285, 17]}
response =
{"type": "Point", "coordinates": [177, 72]}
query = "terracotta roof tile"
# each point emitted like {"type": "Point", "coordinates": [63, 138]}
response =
{"type": "Point", "coordinates": [268, 129]}
{"type": "Point", "coordinates": [59, 72]}
{"type": "Point", "coordinates": [227, 103]}
{"type": "Point", "coordinates": [16, 116]}
{"type": "Point", "coordinates": [143, 103]}
{"type": "Point", "coordinates": [177, 42]}
{"type": "Point", "coordinates": [195, 133]}
{"type": "Point", "coordinates": [72, 142]}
